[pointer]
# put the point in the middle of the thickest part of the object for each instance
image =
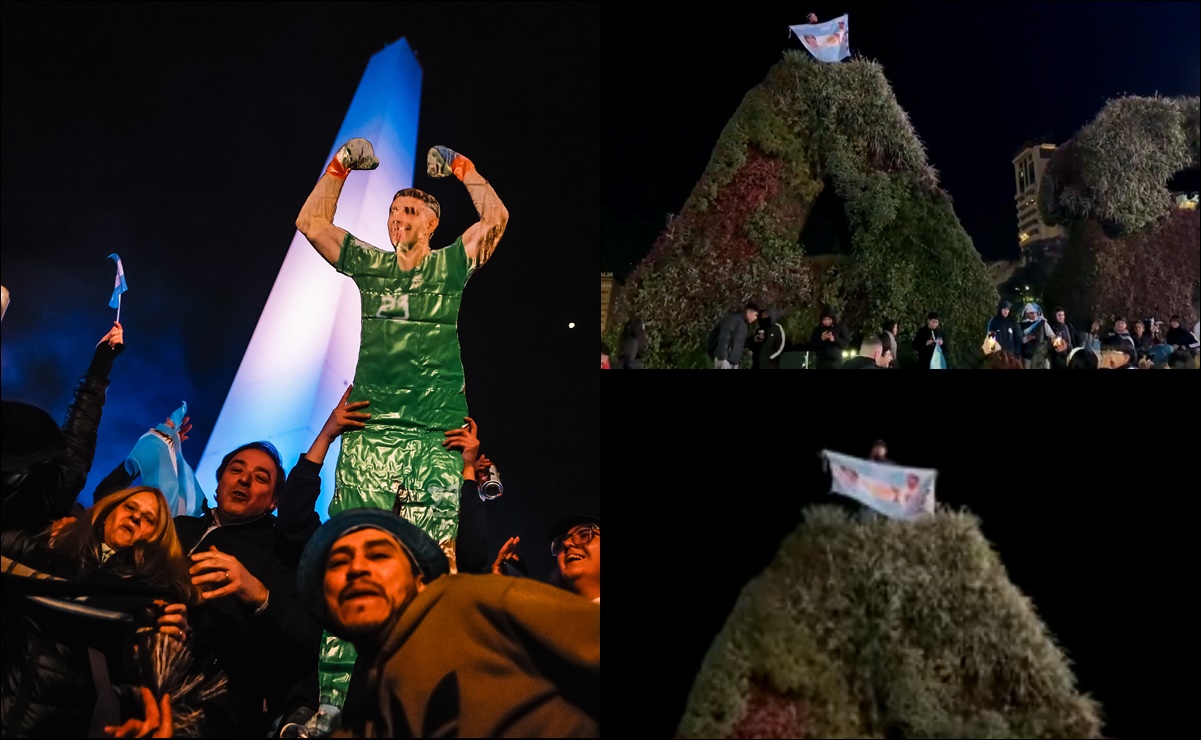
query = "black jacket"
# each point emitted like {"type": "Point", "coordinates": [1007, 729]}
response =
{"type": "Point", "coordinates": [731, 337]}
{"type": "Point", "coordinates": [266, 655]}
{"type": "Point", "coordinates": [34, 509]}
{"type": "Point", "coordinates": [271, 657]}
{"type": "Point", "coordinates": [859, 362]}
{"type": "Point", "coordinates": [1005, 330]}
{"type": "Point", "coordinates": [45, 652]}
{"type": "Point", "coordinates": [828, 353]}
{"type": "Point", "coordinates": [926, 352]}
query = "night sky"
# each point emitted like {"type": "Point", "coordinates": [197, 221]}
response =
{"type": "Point", "coordinates": [186, 137]}
{"type": "Point", "coordinates": [1084, 514]}
{"type": "Point", "coordinates": [990, 77]}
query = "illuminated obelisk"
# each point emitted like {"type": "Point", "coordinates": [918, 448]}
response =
{"type": "Point", "coordinates": [305, 347]}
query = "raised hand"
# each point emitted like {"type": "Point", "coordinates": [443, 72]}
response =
{"type": "Point", "coordinates": [345, 416]}
{"type": "Point", "coordinates": [115, 336]}
{"type": "Point", "coordinates": [465, 440]}
{"type": "Point", "coordinates": [355, 154]}
{"type": "Point", "coordinates": [441, 161]}
{"type": "Point", "coordinates": [481, 466]}
{"type": "Point", "coordinates": [184, 427]}
{"type": "Point", "coordinates": [508, 551]}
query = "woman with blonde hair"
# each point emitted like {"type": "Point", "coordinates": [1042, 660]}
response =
{"type": "Point", "coordinates": [71, 658]}
{"type": "Point", "coordinates": [136, 523]}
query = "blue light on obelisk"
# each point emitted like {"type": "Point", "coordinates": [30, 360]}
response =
{"type": "Point", "coordinates": [305, 347]}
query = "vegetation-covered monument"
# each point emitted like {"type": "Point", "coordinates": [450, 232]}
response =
{"type": "Point", "coordinates": [808, 127]}
{"type": "Point", "coordinates": [885, 629]}
{"type": "Point", "coordinates": [1131, 249]}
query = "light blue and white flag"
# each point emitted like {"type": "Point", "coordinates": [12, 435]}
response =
{"type": "Point", "coordinates": [893, 490]}
{"type": "Point", "coordinates": [1029, 307]}
{"type": "Point", "coordinates": [938, 361]}
{"type": "Point", "coordinates": [158, 459]}
{"type": "Point", "coordinates": [826, 41]}
{"type": "Point", "coordinates": [119, 285]}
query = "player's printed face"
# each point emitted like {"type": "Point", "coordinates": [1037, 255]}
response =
{"type": "Point", "coordinates": [409, 220]}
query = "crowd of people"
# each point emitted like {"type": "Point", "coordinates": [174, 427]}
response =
{"type": "Point", "coordinates": [1034, 342]}
{"type": "Point", "coordinates": [754, 337]}
{"type": "Point", "coordinates": [126, 619]}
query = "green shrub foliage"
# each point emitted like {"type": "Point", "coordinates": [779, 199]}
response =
{"type": "Point", "coordinates": [737, 236]}
{"type": "Point", "coordinates": [886, 629]}
{"type": "Point", "coordinates": [1130, 250]}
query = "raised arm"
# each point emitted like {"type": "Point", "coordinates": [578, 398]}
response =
{"type": "Point", "coordinates": [470, 543]}
{"type": "Point", "coordinates": [296, 513]}
{"type": "Point", "coordinates": [316, 219]}
{"type": "Point", "coordinates": [481, 238]}
{"type": "Point", "coordinates": [83, 418]}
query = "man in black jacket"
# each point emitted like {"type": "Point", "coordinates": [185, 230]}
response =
{"type": "Point", "coordinates": [1063, 341]}
{"type": "Point", "coordinates": [827, 342]}
{"type": "Point", "coordinates": [1004, 329]}
{"type": "Point", "coordinates": [1179, 337]}
{"type": "Point", "coordinates": [927, 338]}
{"type": "Point", "coordinates": [253, 625]}
{"type": "Point", "coordinates": [871, 356]}
{"type": "Point", "coordinates": [768, 342]}
{"type": "Point", "coordinates": [728, 339]}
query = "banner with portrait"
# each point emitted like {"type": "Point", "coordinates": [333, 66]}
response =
{"type": "Point", "coordinates": [827, 41]}
{"type": "Point", "coordinates": [895, 491]}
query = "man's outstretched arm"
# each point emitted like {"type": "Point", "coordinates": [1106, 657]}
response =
{"type": "Point", "coordinates": [316, 219]}
{"type": "Point", "coordinates": [481, 238]}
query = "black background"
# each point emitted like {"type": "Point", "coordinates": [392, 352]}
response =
{"type": "Point", "coordinates": [1080, 483]}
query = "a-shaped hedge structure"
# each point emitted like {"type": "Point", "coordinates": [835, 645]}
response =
{"type": "Point", "coordinates": [886, 629]}
{"type": "Point", "coordinates": [808, 126]}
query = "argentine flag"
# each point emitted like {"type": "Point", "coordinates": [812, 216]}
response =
{"type": "Point", "coordinates": [938, 361]}
{"type": "Point", "coordinates": [119, 285]}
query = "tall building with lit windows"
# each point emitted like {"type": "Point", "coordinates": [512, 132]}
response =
{"type": "Point", "coordinates": [1034, 234]}
{"type": "Point", "coordinates": [608, 294]}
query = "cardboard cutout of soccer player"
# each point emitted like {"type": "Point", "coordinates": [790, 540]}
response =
{"type": "Point", "coordinates": [409, 366]}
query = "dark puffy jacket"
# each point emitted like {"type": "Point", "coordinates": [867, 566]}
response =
{"type": "Point", "coordinates": [47, 676]}
{"type": "Point", "coordinates": [51, 494]}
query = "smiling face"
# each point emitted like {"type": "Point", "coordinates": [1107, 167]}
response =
{"type": "Point", "coordinates": [410, 222]}
{"type": "Point", "coordinates": [246, 489]}
{"type": "Point", "coordinates": [576, 560]}
{"type": "Point", "coordinates": [368, 579]}
{"type": "Point", "coordinates": [133, 520]}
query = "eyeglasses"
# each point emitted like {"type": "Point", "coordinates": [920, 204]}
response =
{"type": "Point", "coordinates": [580, 537]}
